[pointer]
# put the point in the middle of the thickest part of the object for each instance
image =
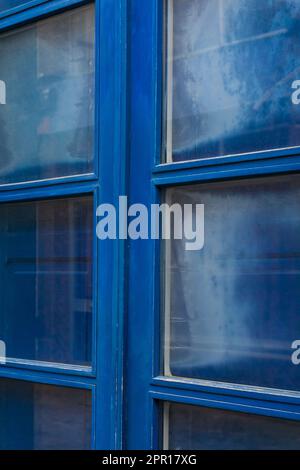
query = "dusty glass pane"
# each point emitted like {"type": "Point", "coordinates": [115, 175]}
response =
{"type": "Point", "coordinates": [195, 428]}
{"type": "Point", "coordinates": [47, 98]}
{"type": "Point", "coordinates": [43, 417]}
{"type": "Point", "coordinates": [231, 67]}
{"type": "Point", "coordinates": [46, 280]}
{"type": "Point", "coordinates": [232, 308]}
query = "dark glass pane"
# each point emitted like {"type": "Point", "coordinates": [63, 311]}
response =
{"type": "Point", "coordinates": [47, 98]}
{"type": "Point", "coordinates": [232, 308]}
{"type": "Point", "coordinates": [46, 280]}
{"type": "Point", "coordinates": [195, 428]}
{"type": "Point", "coordinates": [43, 417]}
{"type": "Point", "coordinates": [232, 64]}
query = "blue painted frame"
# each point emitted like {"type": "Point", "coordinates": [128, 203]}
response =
{"type": "Point", "coordinates": [105, 377]}
{"type": "Point", "coordinates": [144, 136]}
{"type": "Point", "coordinates": [112, 17]}
{"type": "Point", "coordinates": [125, 379]}
{"type": "Point", "coordinates": [146, 389]}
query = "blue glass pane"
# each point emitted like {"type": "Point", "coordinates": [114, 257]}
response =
{"type": "Point", "coordinates": [233, 64]}
{"type": "Point", "coordinates": [233, 307]}
{"type": "Point", "coordinates": [193, 428]}
{"type": "Point", "coordinates": [5, 4]}
{"type": "Point", "coordinates": [47, 98]}
{"type": "Point", "coordinates": [8, 4]}
{"type": "Point", "coordinates": [46, 280]}
{"type": "Point", "coordinates": [43, 417]}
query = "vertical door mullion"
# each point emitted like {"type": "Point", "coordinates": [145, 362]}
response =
{"type": "Point", "coordinates": [144, 136]}
{"type": "Point", "coordinates": [111, 96]}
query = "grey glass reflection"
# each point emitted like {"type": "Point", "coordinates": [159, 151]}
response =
{"type": "Point", "coordinates": [47, 98]}
{"type": "Point", "coordinates": [195, 428]}
{"type": "Point", "coordinates": [233, 63]}
{"type": "Point", "coordinates": [43, 417]}
{"type": "Point", "coordinates": [232, 308]}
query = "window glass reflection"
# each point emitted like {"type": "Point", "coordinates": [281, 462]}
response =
{"type": "Point", "coordinates": [232, 308]}
{"type": "Point", "coordinates": [46, 280]}
{"type": "Point", "coordinates": [46, 118]}
{"type": "Point", "coordinates": [43, 417]}
{"type": "Point", "coordinates": [8, 4]}
{"type": "Point", "coordinates": [195, 428]}
{"type": "Point", "coordinates": [230, 70]}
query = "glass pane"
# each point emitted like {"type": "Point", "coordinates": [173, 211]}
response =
{"type": "Point", "coordinates": [232, 308]}
{"type": "Point", "coordinates": [231, 66]}
{"type": "Point", "coordinates": [43, 417]}
{"type": "Point", "coordinates": [46, 280]}
{"type": "Point", "coordinates": [193, 428]}
{"type": "Point", "coordinates": [47, 98]}
{"type": "Point", "coordinates": [7, 4]}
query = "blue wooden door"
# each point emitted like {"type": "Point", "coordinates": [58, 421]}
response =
{"type": "Point", "coordinates": [61, 127]}
{"type": "Point", "coordinates": [214, 119]}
